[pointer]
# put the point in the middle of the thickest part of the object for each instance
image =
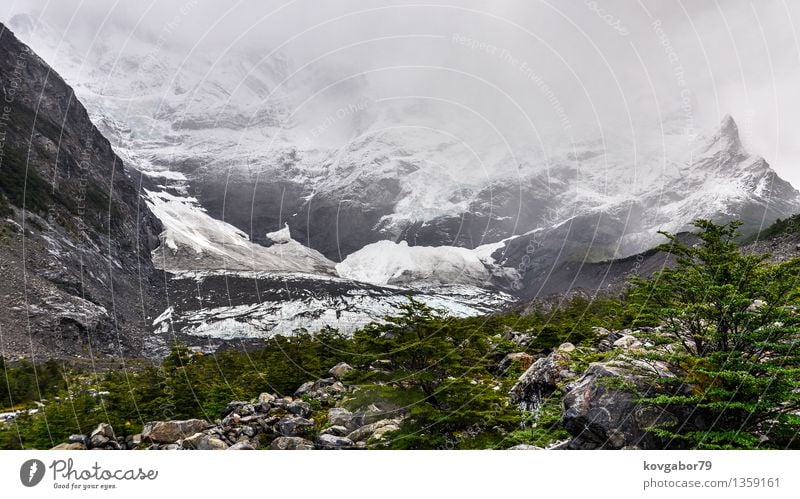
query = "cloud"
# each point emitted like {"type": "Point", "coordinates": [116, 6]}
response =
{"type": "Point", "coordinates": [522, 70]}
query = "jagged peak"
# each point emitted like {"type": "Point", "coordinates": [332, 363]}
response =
{"type": "Point", "coordinates": [726, 138]}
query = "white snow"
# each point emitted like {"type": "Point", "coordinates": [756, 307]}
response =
{"type": "Point", "coordinates": [387, 262]}
{"type": "Point", "coordinates": [193, 240]}
{"type": "Point", "coordinates": [346, 312]}
{"type": "Point", "coordinates": [280, 236]}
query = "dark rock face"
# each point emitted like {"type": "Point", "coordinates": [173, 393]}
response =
{"type": "Point", "coordinates": [75, 238]}
{"type": "Point", "coordinates": [601, 411]}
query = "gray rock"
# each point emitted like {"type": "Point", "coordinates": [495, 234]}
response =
{"type": "Point", "coordinates": [102, 436]}
{"type": "Point", "coordinates": [291, 443]}
{"type": "Point", "coordinates": [168, 432]}
{"type": "Point", "coordinates": [294, 426]}
{"type": "Point", "coordinates": [240, 408]}
{"type": "Point", "coordinates": [299, 408]}
{"type": "Point", "coordinates": [366, 416]}
{"type": "Point", "coordinates": [304, 388]}
{"type": "Point", "coordinates": [339, 370]}
{"type": "Point", "coordinates": [525, 447]}
{"type": "Point", "coordinates": [627, 342]}
{"type": "Point", "coordinates": [339, 416]}
{"type": "Point", "coordinates": [374, 430]}
{"type": "Point", "coordinates": [542, 378]}
{"type": "Point", "coordinates": [211, 443]}
{"type": "Point", "coordinates": [328, 441]}
{"type": "Point", "coordinates": [601, 414]}
{"type": "Point", "coordinates": [337, 430]}
{"type": "Point", "coordinates": [266, 398]}
{"type": "Point", "coordinates": [78, 439]}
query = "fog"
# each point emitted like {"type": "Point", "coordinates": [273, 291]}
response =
{"type": "Point", "coordinates": [523, 71]}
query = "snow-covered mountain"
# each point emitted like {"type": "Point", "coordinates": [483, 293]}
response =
{"type": "Point", "coordinates": [254, 163]}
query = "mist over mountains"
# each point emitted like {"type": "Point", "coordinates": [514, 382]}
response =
{"type": "Point", "coordinates": [297, 184]}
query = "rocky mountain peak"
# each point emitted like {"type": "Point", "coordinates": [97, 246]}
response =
{"type": "Point", "coordinates": [726, 139]}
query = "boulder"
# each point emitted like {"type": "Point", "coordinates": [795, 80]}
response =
{"type": "Point", "coordinates": [339, 370]}
{"type": "Point", "coordinates": [627, 342]}
{"type": "Point", "coordinates": [339, 416]}
{"type": "Point", "coordinates": [266, 398]}
{"type": "Point", "coordinates": [211, 443]}
{"type": "Point", "coordinates": [291, 443]}
{"type": "Point", "coordinates": [168, 432]}
{"type": "Point", "coordinates": [602, 410]}
{"type": "Point", "coordinates": [374, 430]}
{"type": "Point", "coordinates": [542, 378]}
{"type": "Point", "coordinates": [79, 439]}
{"type": "Point", "coordinates": [299, 408]}
{"type": "Point", "coordinates": [304, 388]}
{"type": "Point", "coordinates": [525, 447]}
{"type": "Point", "coordinates": [368, 415]}
{"type": "Point", "coordinates": [102, 436]}
{"type": "Point", "coordinates": [294, 426]}
{"type": "Point", "coordinates": [337, 430]}
{"type": "Point", "coordinates": [328, 441]}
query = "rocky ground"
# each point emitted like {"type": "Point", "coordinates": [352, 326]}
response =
{"type": "Point", "coordinates": [597, 385]}
{"type": "Point", "coordinates": [312, 419]}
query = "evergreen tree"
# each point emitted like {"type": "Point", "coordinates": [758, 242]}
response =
{"type": "Point", "coordinates": [734, 319]}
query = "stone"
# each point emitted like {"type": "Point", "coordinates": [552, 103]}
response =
{"type": "Point", "coordinates": [211, 443]}
{"type": "Point", "coordinates": [78, 439]}
{"type": "Point", "coordinates": [168, 432]}
{"type": "Point", "coordinates": [337, 430]}
{"type": "Point", "coordinates": [291, 443]}
{"type": "Point", "coordinates": [601, 414]}
{"type": "Point", "coordinates": [373, 430]}
{"type": "Point", "coordinates": [328, 441]}
{"type": "Point", "coordinates": [542, 378]}
{"type": "Point", "coordinates": [294, 426]}
{"type": "Point", "coordinates": [266, 398]}
{"type": "Point", "coordinates": [238, 407]}
{"type": "Point", "coordinates": [383, 430]}
{"type": "Point", "coordinates": [370, 414]}
{"type": "Point", "coordinates": [304, 388]}
{"type": "Point", "coordinates": [525, 447]}
{"type": "Point", "coordinates": [339, 370]}
{"type": "Point", "coordinates": [102, 436]}
{"type": "Point", "coordinates": [627, 342]}
{"type": "Point", "coordinates": [70, 446]}
{"type": "Point", "coordinates": [299, 408]}
{"type": "Point", "coordinates": [566, 347]}
{"type": "Point", "coordinates": [339, 416]}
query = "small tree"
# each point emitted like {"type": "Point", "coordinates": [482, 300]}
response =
{"type": "Point", "coordinates": [437, 369]}
{"type": "Point", "coordinates": [735, 319]}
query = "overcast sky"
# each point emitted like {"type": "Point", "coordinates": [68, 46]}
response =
{"type": "Point", "coordinates": [542, 68]}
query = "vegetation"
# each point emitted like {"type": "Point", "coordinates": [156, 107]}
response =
{"type": "Point", "coordinates": [789, 225]}
{"type": "Point", "coordinates": [735, 319]}
{"type": "Point", "coordinates": [727, 322]}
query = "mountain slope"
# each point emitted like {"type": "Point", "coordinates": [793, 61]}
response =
{"type": "Point", "coordinates": [75, 238]}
